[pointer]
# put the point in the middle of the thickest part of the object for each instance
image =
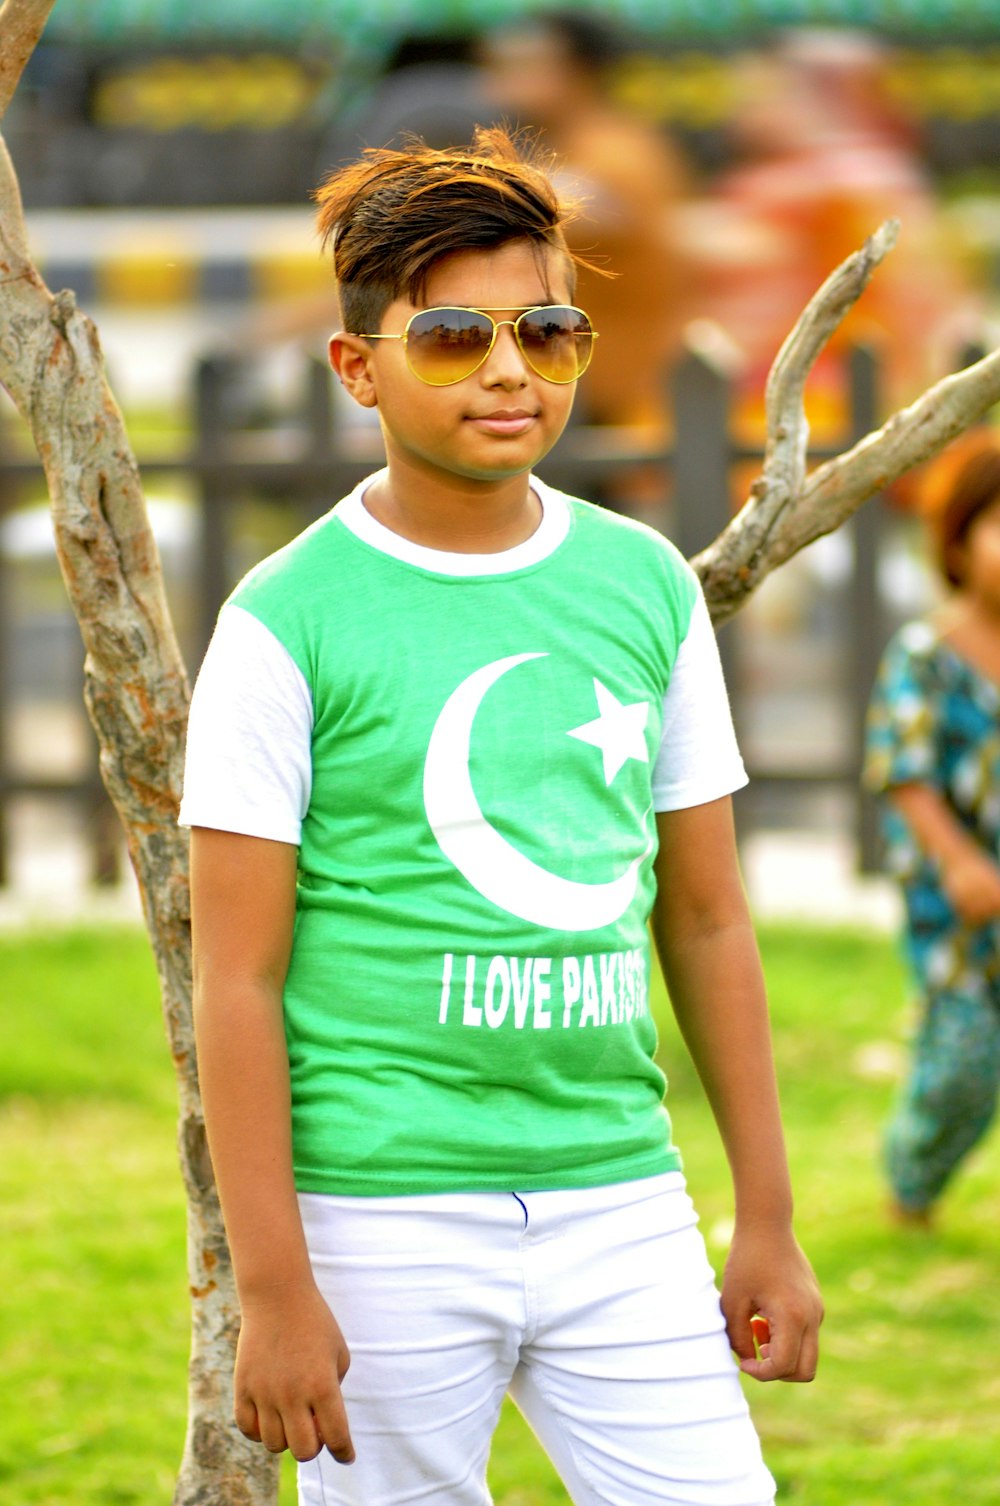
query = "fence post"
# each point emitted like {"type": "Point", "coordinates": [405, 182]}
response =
{"type": "Point", "coordinates": [319, 418]}
{"type": "Point", "coordinates": [702, 501]}
{"type": "Point", "coordinates": [319, 409]}
{"type": "Point", "coordinates": [212, 377]}
{"type": "Point", "coordinates": [867, 633]}
{"type": "Point", "coordinates": [702, 460]}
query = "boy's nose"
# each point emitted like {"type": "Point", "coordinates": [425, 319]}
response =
{"type": "Point", "coordinates": [505, 366]}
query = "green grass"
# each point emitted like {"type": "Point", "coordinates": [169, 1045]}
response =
{"type": "Point", "coordinates": [93, 1310]}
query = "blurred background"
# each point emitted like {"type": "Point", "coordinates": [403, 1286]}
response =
{"type": "Point", "coordinates": [726, 158]}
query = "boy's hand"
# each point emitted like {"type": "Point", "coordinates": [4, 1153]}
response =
{"type": "Point", "coordinates": [290, 1360]}
{"type": "Point", "coordinates": [767, 1273]}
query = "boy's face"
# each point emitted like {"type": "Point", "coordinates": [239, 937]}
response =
{"type": "Point", "coordinates": [492, 425]}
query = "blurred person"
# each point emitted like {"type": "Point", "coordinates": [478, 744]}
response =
{"type": "Point", "coordinates": [551, 72]}
{"type": "Point", "coordinates": [823, 158]}
{"type": "Point", "coordinates": [933, 755]}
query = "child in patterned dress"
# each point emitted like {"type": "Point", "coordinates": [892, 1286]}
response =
{"type": "Point", "coordinates": [934, 756]}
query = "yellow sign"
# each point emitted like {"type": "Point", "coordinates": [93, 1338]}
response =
{"type": "Point", "coordinates": [214, 92]}
{"type": "Point", "coordinates": [691, 89]}
{"type": "Point", "coordinates": [949, 83]}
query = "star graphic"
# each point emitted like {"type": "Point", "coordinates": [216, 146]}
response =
{"type": "Point", "coordinates": [618, 731]}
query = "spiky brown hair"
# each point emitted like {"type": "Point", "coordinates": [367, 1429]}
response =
{"type": "Point", "coordinates": [394, 213]}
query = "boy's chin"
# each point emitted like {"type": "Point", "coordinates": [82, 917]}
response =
{"type": "Point", "coordinates": [520, 465]}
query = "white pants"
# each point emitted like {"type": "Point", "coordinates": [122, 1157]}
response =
{"type": "Point", "coordinates": [596, 1310]}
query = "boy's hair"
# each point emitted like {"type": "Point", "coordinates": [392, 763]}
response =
{"type": "Point", "coordinates": [958, 492]}
{"type": "Point", "coordinates": [393, 214]}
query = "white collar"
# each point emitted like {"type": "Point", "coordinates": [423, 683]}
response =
{"type": "Point", "coordinates": [547, 537]}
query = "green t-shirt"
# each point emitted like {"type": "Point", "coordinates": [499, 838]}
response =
{"type": "Point", "coordinates": [467, 1004]}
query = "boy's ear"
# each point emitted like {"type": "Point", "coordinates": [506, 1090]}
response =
{"type": "Point", "coordinates": [351, 358]}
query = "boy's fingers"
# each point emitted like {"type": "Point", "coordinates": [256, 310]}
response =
{"type": "Point", "coordinates": [333, 1430]}
{"type": "Point", "coordinates": [808, 1356]}
{"type": "Point", "coordinates": [748, 1335]}
{"type": "Point", "coordinates": [303, 1437]}
{"type": "Point", "coordinates": [246, 1419]}
{"type": "Point", "coordinates": [790, 1354]}
{"type": "Point", "coordinates": [272, 1431]}
{"type": "Point", "coordinates": [783, 1352]}
{"type": "Point", "coordinates": [740, 1339]}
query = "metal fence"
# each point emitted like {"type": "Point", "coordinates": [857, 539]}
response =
{"type": "Point", "coordinates": [303, 462]}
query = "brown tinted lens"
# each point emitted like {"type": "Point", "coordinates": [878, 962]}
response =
{"type": "Point", "coordinates": [557, 342]}
{"type": "Point", "coordinates": [445, 345]}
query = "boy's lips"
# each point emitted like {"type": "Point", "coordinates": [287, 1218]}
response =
{"type": "Point", "coordinates": [504, 420]}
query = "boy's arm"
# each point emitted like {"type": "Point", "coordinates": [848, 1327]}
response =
{"type": "Point", "coordinates": [291, 1355]}
{"type": "Point", "coordinates": [969, 876]}
{"type": "Point", "coordinates": [709, 957]}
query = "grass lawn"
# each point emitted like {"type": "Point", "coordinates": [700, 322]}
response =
{"type": "Point", "coordinates": [93, 1316]}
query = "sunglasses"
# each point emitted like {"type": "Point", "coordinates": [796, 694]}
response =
{"type": "Point", "coordinates": [443, 345]}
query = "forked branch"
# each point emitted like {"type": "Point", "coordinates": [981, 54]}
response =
{"type": "Point", "coordinates": [788, 509]}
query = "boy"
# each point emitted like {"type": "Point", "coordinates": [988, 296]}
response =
{"type": "Point", "coordinates": [425, 751]}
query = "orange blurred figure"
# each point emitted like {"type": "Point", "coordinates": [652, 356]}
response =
{"type": "Point", "coordinates": [825, 159]}
{"type": "Point", "coordinates": [551, 72]}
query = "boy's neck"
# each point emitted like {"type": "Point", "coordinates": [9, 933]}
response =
{"type": "Point", "coordinates": [458, 515]}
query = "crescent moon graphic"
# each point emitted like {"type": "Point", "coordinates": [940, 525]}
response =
{"type": "Point", "coordinates": [497, 870]}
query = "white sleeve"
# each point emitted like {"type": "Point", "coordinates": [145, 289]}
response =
{"type": "Point", "coordinates": [699, 759]}
{"type": "Point", "coordinates": [248, 766]}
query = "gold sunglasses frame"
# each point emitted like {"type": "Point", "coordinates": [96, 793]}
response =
{"type": "Point", "coordinates": [497, 324]}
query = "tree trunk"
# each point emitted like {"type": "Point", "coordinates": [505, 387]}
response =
{"type": "Point", "coordinates": [137, 697]}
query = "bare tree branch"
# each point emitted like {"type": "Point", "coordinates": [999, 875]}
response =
{"type": "Point", "coordinates": [21, 24]}
{"type": "Point", "coordinates": [911, 436]}
{"type": "Point", "coordinates": [787, 428]}
{"type": "Point", "coordinates": [786, 509]}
